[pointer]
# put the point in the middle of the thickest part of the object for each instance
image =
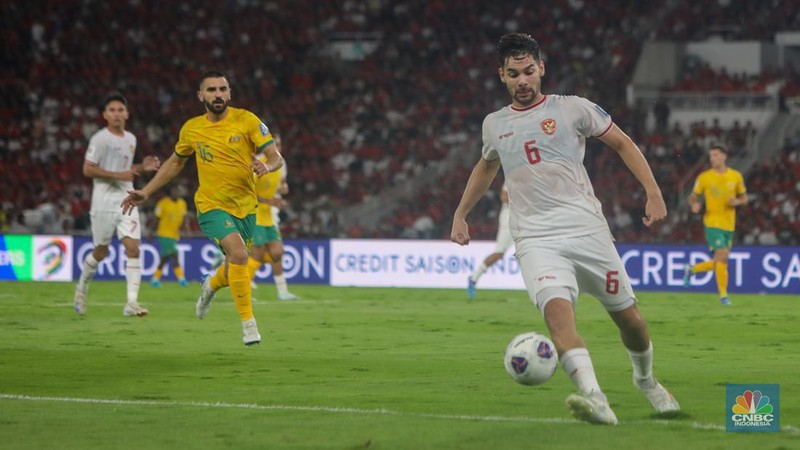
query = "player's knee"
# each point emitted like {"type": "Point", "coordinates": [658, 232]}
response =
{"type": "Point", "coordinates": [548, 294]}
{"type": "Point", "coordinates": [238, 256]}
{"type": "Point", "coordinates": [100, 252]}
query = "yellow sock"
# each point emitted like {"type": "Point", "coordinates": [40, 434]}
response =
{"type": "Point", "coordinates": [219, 280]}
{"type": "Point", "coordinates": [178, 272]}
{"type": "Point", "coordinates": [252, 267]}
{"type": "Point", "coordinates": [157, 275]}
{"type": "Point", "coordinates": [703, 266]}
{"type": "Point", "coordinates": [721, 273]}
{"type": "Point", "coordinates": [241, 291]}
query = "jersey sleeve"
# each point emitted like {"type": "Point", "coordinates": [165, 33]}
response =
{"type": "Point", "coordinates": [699, 187]}
{"type": "Point", "coordinates": [184, 146]}
{"type": "Point", "coordinates": [488, 151]}
{"type": "Point", "coordinates": [159, 208]}
{"type": "Point", "coordinates": [592, 120]}
{"type": "Point", "coordinates": [95, 150]}
{"type": "Point", "coordinates": [740, 188]}
{"type": "Point", "coordinates": [258, 133]}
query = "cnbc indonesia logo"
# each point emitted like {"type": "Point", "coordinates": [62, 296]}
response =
{"type": "Point", "coordinates": [752, 410]}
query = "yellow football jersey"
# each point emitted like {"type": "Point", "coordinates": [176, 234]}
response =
{"type": "Point", "coordinates": [171, 214]}
{"type": "Point", "coordinates": [224, 153]}
{"type": "Point", "coordinates": [266, 187]}
{"type": "Point", "coordinates": [717, 188]}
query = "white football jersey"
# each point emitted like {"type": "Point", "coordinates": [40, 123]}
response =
{"type": "Point", "coordinates": [114, 154]}
{"type": "Point", "coordinates": [541, 149]}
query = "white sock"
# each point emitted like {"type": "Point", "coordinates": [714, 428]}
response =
{"type": "Point", "coordinates": [88, 271]}
{"type": "Point", "coordinates": [280, 283]}
{"type": "Point", "coordinates": [133, 275]}
{"type": "Point", "coordinates": [642, 363]}
{"type": "Point", "coordinates": [578, 365]}
{"type": "Point", "coordinates": [478, 272]}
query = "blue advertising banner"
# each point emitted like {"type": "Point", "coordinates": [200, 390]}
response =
{"type": "Point", "coordinates": [402, 263]}
{"type": "Point", "coordinates": [303, 261]}
{"type": "Point", "coordinates": [751, 269]}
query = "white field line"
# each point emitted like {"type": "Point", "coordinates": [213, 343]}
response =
{"type": "Point", "coordinates": [337, 410]}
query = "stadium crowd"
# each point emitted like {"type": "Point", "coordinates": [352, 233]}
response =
{"type": "Point", "coordinates": [354, 125]}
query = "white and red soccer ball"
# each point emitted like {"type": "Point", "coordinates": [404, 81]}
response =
{"type": "Point", "coordinates": [531, 358]}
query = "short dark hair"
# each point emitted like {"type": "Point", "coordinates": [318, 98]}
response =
{"type": "Point", "coordinates": [210, 74]}
{"type": "Point", "coordinates": [517, 45]}
{"type": "Point", "coordinates": [114, 97]}
{"type": "Point", "coordinates": [719, 147]}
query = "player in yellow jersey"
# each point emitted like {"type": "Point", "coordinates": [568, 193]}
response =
{"type": "Point", "coordinates": [268, 246]}
{"type": "Point", "coordinates": [171, 212]}
{"type": "Point", "coordinates": [723, 190]}
{"type": "Point", "coordinates": [225, 141]}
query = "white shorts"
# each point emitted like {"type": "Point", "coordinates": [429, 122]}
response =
{"type": "Point", "coordinates": [106, 223]}
{"type": "Point", "coordinates": [503, 241]}
{"type": "Point", "coordinates": [563, 268]}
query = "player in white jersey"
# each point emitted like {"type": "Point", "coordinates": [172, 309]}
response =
{"type": "Point", "coordinates": [562, 240]}
{"type": "Point", "coordinates": [109, 162]}
{"type": "Point", "coordinates": [503, 242]}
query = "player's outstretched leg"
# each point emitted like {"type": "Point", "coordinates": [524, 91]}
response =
{"type": "Point", "coordinates": [645, 381]}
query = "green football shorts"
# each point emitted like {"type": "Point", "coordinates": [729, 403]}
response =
{"type": "Point", "coordinates": [216, 224]}
{"type": "Point", "coordinates": [719, 239]}
{"type": "Point", "coordinates": [167, 246]}
{"type": "Point", "coordinates": [266, 234]}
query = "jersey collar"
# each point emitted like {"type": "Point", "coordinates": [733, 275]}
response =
{"type": "Point", "coordinates": [529, 107]}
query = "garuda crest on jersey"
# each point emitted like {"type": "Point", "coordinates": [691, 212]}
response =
{"type": "Point", "coordinates": [549, 126]}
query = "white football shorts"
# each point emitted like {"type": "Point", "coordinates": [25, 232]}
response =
{"type": "Point", "coordinates": [106, 223]}
{"type": "Point", "coordinates": [504, 240]}
{"type": "Point", "coordinates": [563, 268]}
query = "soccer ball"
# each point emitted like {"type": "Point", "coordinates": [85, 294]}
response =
{"type": "Point", "coordinates": [531, 358]}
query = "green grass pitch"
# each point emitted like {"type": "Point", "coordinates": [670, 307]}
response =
{"type": "Point", "coordinates": [353, 368]}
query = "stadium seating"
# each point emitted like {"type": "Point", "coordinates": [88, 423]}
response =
{"type": "Point", "coordinates": [352, 127]}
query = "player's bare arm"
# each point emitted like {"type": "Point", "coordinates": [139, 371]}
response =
{"type": "Point", "coordinates": [91, 170]}
{"type": "Point", "coordinates": [739, 200]}
{"type": "Point", "coordinates": [479, 181]}
{"type": "Point", "coordinates": [274, 201]}
{"type": "Point", "coordinates": [149, 164]}
{"type": "Point", "coordinates": [169, 170]}
{"type": "Point", "coordinates": [274, 160]}
{"type": "Point", "coordinates": [694, 203]}
{"type": "Point", "coordinates": [655, 208]}
{"type": "Point", "coordinates": [258, 167]}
